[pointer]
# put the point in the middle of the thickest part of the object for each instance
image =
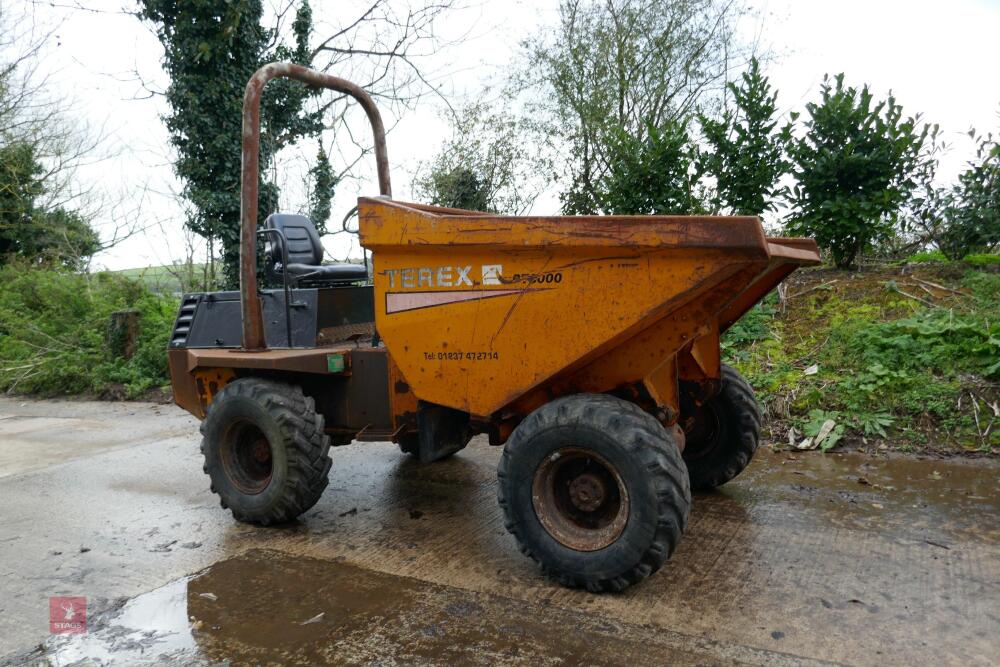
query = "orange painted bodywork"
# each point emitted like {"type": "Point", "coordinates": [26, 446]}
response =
{"type": "Point", "coordinates": [494, 315]}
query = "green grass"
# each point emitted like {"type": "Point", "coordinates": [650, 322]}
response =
{"type": "Point", "coordinates": [932, 256]}
{"type": "Point", "coordinates": [889, 366]}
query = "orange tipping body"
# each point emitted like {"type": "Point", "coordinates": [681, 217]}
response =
{"type": "Point", "coordinates": [488, 314]}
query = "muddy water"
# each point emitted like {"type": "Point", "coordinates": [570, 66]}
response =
{"type": "Point", "coordinates": [852, 490]}
{"type": "Point", "coordinates": [270, 608]}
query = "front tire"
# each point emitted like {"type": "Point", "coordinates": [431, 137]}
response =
{"type": "Point", "coordinates": [265, 450]}
{"type": "Point", "coordinates": [723, 434]}
{"type": "Point", "coordinates": [594, 489]}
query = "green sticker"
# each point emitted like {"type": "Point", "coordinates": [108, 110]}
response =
{"type": "Point", "coordinates": [335, 363]}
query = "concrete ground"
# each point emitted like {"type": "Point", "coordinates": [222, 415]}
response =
{"type": "Point", "coordinates": [806, 558]}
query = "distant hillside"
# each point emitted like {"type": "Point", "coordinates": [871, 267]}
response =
{"type": "Point", "coordinates": [160, 279]}
{"type": "Point", "coordinates": [166, 279]}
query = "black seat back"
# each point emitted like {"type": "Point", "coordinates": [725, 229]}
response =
{"type": "Point", "coordinates": [304, 246]}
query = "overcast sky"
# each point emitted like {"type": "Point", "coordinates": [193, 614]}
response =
{"type": "Point", "coordinates": [938, 57]}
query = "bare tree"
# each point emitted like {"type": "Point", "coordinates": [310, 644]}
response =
{"type": "Point", "coordinates": [622, 66]}
{"type": "Point", "coordinates": [495, 160]}
{"type": "Point", "coordinates": [389, 49]}
{"type": "Point", "coordinates": [49, 208]}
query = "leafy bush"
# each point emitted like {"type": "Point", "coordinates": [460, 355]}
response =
{"type": "Point", "coordinates": [962, 218]}
{"type": "Point", "coordinates": [650, 175]}
{"type": "Point", "coordinates": [53, 333]}
{"type": "Point", "coordinates": [855, 167]}
{"type": "Point", "coordinates": [971, 209]}
{"type": "Point", "coordinates": [746, 148]}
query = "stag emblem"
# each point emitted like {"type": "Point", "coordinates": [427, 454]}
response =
{"type": "Point", "coordinates": [67, 614]}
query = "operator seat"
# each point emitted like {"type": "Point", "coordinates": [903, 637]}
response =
{"type": "Point", "coordinates": [305, 254]}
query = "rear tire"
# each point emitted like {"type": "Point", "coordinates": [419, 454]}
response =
{"type": "Point", "coordinates": [594, 489]}
{"type": "Point", "coordinates": [265, 450]}
{"type": "Point", "coordinates": [721, 438]}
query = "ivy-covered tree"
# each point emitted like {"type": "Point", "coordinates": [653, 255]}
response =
{"type": "Point", "coordinates": [323, 184]}
{"type": "Point", "coordinates": [652, 175]}
{"type": "Point", "coordinates": [855, 167]}
{"type": "Point", "coordinates": [745, 147]}
{"type": "Point", "coordinates": [35, 233]}
{"type": "Point", "coordinates": [210, 51]}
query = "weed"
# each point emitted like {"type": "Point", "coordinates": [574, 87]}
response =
{"type": "Point", "coordinates": [753, 327]}
{"type": "Point", "coordinates": [814, 424]}
{"type": "Point", "coordinates": [874, 423]}
{"type": "Point", "coordinates": [53, 333]}
{"type": "Point", "coordinates": [888, 366]}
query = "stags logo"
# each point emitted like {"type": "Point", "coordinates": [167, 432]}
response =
{"type": "Point", "coordinates": [67, 615]}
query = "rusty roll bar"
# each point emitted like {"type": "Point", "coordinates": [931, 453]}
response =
{"type": "Point", "coordinates": [253, 319]}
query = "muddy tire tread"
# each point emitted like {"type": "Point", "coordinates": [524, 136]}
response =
{"type": "Point", "coordinates": [646, 440]}
{"type": "Point", "coordinates": [743, 434]}
{"type": "Point", "coordinates": [307, 446]}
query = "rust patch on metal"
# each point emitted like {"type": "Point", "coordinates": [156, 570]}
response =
{"type": "Point", "coordinates": [210, 381]}
{"type": "Point", "coordinates": [253, 319]}
{"type": "Point", "coordinates": [345, 332]}
{"type": "Point", "coordinates": [580, 499]}
{"type": "Point", "coordinates": [402, 399]}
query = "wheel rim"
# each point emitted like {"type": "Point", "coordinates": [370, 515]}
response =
{"type": "Point", "coordinates": [246, 458]}
{"type": "Point", "coordinates": [580, 499]}
{"type": "Point", "coordinates": [702, 432]}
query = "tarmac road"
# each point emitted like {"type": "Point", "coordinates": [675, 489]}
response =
{"type": "Point", "coordinates": [806, 558]}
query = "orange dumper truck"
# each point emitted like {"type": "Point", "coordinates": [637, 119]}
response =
{"type": "Point", "coordinates": [588, 347]}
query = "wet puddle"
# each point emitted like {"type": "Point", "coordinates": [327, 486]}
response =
{"type": "Point", "coordinates": [145, 627]}
{"type": "Point", "coordinates": [860, 491]}
{"type": "Point", "coordinates": [269, 608]}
